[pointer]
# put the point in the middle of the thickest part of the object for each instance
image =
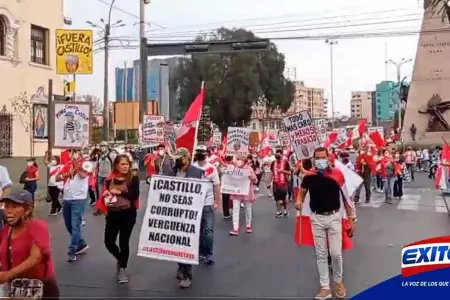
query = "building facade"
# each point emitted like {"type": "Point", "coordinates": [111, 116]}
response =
{"type": "Point", "coordinates": [305, 98]}
{"type": "Point", "coordinates": [361, 105]}
{"type": "Point", "coordinates": [386, 101]}
{"type": "Point", "coordinates": [159, 70]}
{"type": "Point", "coordinates": [27, 62]}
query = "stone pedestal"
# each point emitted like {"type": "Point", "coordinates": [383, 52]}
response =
{"type": "Point", "coordinates": [431, 76]}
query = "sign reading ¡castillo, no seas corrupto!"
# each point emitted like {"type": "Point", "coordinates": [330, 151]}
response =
{"type": "Point", "coordinates": [171, 226]}
{"type": "Point", "coordinates": [302, 133]}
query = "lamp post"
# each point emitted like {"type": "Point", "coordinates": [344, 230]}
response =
{"type": "Point", "coordinates": [142, 62]}
{"type": "Point", "coordinates": [105, 28]}
{"type": "Point", "coordinates": [331, 43]}
{"type": "Point", "coordinates": [398, 65]}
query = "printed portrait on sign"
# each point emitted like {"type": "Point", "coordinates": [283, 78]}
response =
{"type": "Point", "coordinates": [72, 124]}
{"type": "Point", "coordinates": [40, 121]}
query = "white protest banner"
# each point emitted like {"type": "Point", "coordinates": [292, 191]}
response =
{"type": "Point", "coordinates": [217, 138]}
{"type": "Point", "coordinates": [153, 129]}
{"type": "Point", "coordinates": [73, 122]}
{"type": "Point", "coordinates": [171, 226]}
{"type": "Point", "coordinates": [302, 133]}
{"type": "Point", "coordinates": [170, 137]}
{"type": "Point", "coordinates": [352, 180]}
{"type": "Point", "coordinates": [235, 181]}
{"type": "Point", "coordinates": [380, 130]}
{"type": "Point", "coordinates": [238, 140]}
{"type": "Point", "coordinates": [272, 136]}
{"type": "Point", "coordinates": [321, 129]}
{"type": "Point", "coordinates": [283, 138]}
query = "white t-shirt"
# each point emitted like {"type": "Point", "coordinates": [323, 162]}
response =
{"type": "Point", "coordinates": [212, 175]}
{"type": "Point", "coordinates": [5, 181]}
{"type": "Point", "coordinates": [214, 160]}
{"type": "Point", "coordinates": [77, 188]}
{"type": "Point", "coordinates": [267, 162]}
{"type": "Point", "coordinates": [52, 179]}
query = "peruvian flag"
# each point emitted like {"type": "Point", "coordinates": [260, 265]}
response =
{"type": "Point", "coordinates": [341, 139]}
{"type": "Point", "coordinates": [377, 139]}
{"type": "Point", "coordinates": [356, 132]}
{"type": "Point", "coordinates": [264, 147]}
{"type": "Point", "coordinates": [187, 134]}
{"type": "Point", "coordinates": [349, 182]}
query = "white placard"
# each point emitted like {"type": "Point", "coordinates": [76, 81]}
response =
{"type": "Point", "coordinates": [72, 124]}
{"type": "Point", "coordinates": [380, 130]}
{"type": "Point", "coordinates": [283, 138]}
{"type": "Point", "coordinates": [238, 140]}
{"type": "Point", "coordinates": [235, 181]}
{"type": "Point", "coordinates": [171, 226]}
{"type": "Point", "coordinates": [302, 133]}
{"type": "Point", "coordinates": [153, 129]}
{"type": "Point", "coordinates": [321, 129]}
{"type": "Point", "coordinates": [170, 137]}
{"type": "Point", "coordinates": [217, 138]}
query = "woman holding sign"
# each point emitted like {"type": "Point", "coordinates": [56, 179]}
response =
{"type": "Point", "coordinates": [120, 200]}
{"type": "Point", "coordinates": [246, 199]}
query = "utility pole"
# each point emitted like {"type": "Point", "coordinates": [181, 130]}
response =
{"type": "Point", "coordinates": [331, 43]}
{"type": "Point", "coordinates": [142, 62]}
{"type": "Point", "coordinates": [106, 27]}
{"type": "Point", "coordinates": [398, 66]}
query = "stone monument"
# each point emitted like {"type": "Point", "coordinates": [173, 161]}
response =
{"type": "Point", "coordinates": [427, 115]}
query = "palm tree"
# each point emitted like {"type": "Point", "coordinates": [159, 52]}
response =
{"type": "Point", "coordinates": [442, 7]}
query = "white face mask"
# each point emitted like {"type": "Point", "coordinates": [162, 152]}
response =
{"type": "Point", "coordinates": [30, 163]}
{"type": "Point", "coordinates": [53, 162]}
{"type": "Point", "coordinates": [161, 152]}
{"type": "Point", "coordinates": [239, 163]}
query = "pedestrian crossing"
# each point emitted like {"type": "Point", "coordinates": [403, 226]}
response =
{"type": "Point", "coordinates": [414, 199]}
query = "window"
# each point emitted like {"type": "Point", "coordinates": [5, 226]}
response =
{"type": "Point", "coordinates": [254, 126]}
{"type": "Point", "coordinates": [2, 36]}
{"type": "Point", "coordinates": [39, 45]}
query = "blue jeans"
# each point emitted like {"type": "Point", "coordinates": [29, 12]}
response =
{"type": "Point", "coordinates": [73, 211]}
{"type": "Point", "coordinates": [389, 187]}
{"type": "Point", "coordinates": [207, 231]}
{"type": "Point", "coordinates": [100, 183]}
{"type": "Point", "coordinates": [31, 186]}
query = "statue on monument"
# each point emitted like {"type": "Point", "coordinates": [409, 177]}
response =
{"type": "Point", "coordinates": [435, 108]}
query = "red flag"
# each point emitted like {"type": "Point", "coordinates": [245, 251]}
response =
{"type": "Point", "coordinates": [186, 137]}
{"type": "Point", "coordinates": [194, 111]}
{"type": "Point", "coordinates": [445, 152]}
{"type": "Point", "coordinates": [377, 139]}
{"type": "Point", "coordinates": [264, 146]}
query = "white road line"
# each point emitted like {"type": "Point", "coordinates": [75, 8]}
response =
{"type": "Point", "coordinates": [440, 204]}
{"type": "Point", "coordinates": [409, 202]}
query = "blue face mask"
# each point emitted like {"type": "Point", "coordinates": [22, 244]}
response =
{"type": "Point", "coordinates": [321, 164]}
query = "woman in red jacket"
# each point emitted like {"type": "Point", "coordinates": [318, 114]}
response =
{"type": "Point", "coordinates": [32, 176]}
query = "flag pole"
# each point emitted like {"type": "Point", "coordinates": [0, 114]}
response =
{"type": "Point", "coordinates": [198, 123]}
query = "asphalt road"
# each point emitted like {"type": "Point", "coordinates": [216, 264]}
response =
{"type": "Point", "coordinates": [265, 263]}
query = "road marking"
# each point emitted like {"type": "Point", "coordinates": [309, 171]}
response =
{"type": "Point", "coordinates": [440, 204]}
{"type": "Point", "coordinates": [409, 202]}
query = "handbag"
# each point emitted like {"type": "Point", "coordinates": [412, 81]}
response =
{"type": "Point", "coordinates": [22, 178]}
{"type": "Point", "coordinates": [117, 202]}
{"type": "Point", "coordinates": [23, 287]}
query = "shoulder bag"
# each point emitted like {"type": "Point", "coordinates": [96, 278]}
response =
{"type": "Point", "coordinates": [118, 202]}
{"type": "Point", "coordinates": [23, 287]}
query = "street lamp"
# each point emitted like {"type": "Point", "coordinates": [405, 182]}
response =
{"type": "Point", "coordinates": [398, 65]}
{"type": "Point", "coordinates": [331, 42]}
{"type": "Point", "coordinates": [106, 27]}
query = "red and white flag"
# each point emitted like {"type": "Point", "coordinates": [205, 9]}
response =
{"type": "Point", "coordinates": [264, 147]}
{"type": "Point", "coordinates": [356, 133]}
{"type": "Point", "coordinates": [187, 134]}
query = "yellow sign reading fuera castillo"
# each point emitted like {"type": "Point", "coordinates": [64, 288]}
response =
{"type": "Point", "coordinates": [74, 51]}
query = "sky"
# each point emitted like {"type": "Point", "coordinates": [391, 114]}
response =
{"type": "Point", "coordinates": [358, 63]}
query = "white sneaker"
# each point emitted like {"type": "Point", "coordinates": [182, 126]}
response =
{"type": "Point", "coordinates": [83, 222]}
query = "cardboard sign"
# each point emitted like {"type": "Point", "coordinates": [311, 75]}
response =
{"type": "Point", "coordinates": [238, 140]}
{"type": "Point", "coordinates": [303, 134]}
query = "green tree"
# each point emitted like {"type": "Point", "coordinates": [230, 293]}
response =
{"type": "Point", "coordinates": [234, 82]}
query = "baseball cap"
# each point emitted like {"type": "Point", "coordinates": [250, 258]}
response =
{"type": "Point", "coordinates": [22, 197]}
{"type": "Point", "coordinates": [181, 152]}
{"type": "Point", "coordinates": [201, 148]}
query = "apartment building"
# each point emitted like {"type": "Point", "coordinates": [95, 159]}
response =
{"type": "Point", "coordinates": [27, 62]}
{"type": "Point", "coordinates": [361, 105]}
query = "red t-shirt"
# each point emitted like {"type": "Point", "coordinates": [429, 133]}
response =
{"type": "Point", "coordinates": [31, 171]}
{"type": "Point", "coordinates": [36, 232]}
{"type": "Point", "coordinates": [150, 164]}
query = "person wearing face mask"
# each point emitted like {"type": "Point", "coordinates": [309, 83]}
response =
{"type": "Point", "coordinates": [25, 248]}
{"type": "Point", "coordinates": [281, 173]}
{"type": "Point", "coordinates": [149, 164]}
{"type": "Point", "coordinates": [183, 168]}
{"type": "Point", "coordinates": [247, 200]}
{"type": "Point", "coordinates": [211, 204]}
{"type": "Point", "coordinates": [54, 188]}
{"type": "Point", "coordinates": [365, 167]}
{"type": "Point", "coordinates": [162, 161]}
{"type": "Point", "coordinates": [410, 158]}
{"type": "Point", "coordinates": [400, 167]}
{"type": "Point", "coordinates": [104, 167]}
{"type": "Point", "coordinates": [324, 215]}
{"type": "Point", "coordinates": [226, 203]}
{"type": "Point", "coordinates": [387, 173]}
{"type": "Point", "coordinates": [268, 177]}
{"type": "Point", "coordinates": [31, 176]}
